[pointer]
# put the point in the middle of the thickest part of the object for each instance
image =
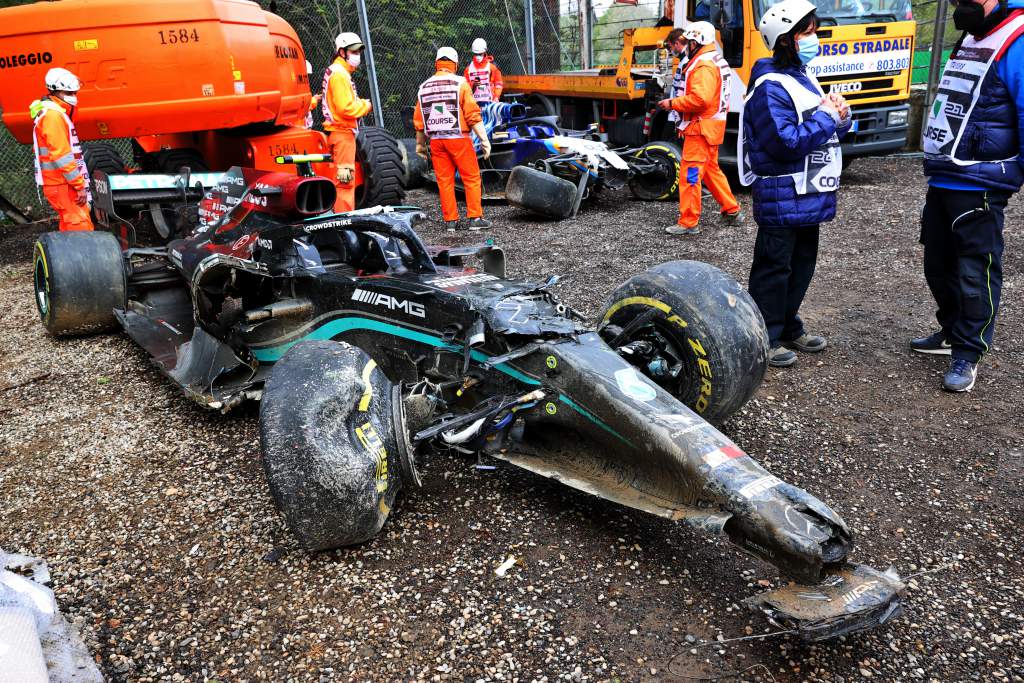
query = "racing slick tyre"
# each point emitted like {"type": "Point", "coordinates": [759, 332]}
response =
{"type": "Point", "coordinates": [79, 280]}
{"type": "Point", "coordinates": [379, 155]}
{"type": "Point", "coordinates": [540, 193]}
{"type": "Point", "coordinates": [695, 331]}
{"type": "Point", "coordinates": [414, 165]}
{"type": "Point", "coordinates": [329, 443]}
{"type": "Point", "coordinates": [663, 183]}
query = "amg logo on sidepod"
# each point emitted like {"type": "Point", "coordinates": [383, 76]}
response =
{"type": "Point", "coordinates": [377, 299]}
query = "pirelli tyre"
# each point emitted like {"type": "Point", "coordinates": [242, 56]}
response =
{"type": "Point", "coordinates": [79, 280]}
{"type": "Point", "coordinates": [329, 443]}
{"type": "Point", "coordinates": [540, 192]}
{"type": "Point", "coordinates": [379, 155]}
{"type": "Point", "coordinates": [662, 182]}
{"type": "Point", "coordinates": [415, 165]}
{"type": "Point", "coordinates": [694, 330]}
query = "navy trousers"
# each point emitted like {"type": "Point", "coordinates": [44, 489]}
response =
{"type": "Point", "coordinates": [784, 261]}
{"type": "Point", "coordinates": [962, 234]}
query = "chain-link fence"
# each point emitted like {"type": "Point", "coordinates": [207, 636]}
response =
{"type": "Point", "coordinates": [405, 34]}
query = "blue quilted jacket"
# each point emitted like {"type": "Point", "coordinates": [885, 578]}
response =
{"type": "Point", "coordinates": [778, 145]}
{"type": "Point", "coordinates": [993, 131]}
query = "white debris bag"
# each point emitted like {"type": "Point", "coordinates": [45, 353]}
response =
{"type": "Point", "coordinates": [37, 645]}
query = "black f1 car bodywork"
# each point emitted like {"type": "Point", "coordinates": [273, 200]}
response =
{"type": "Point", "coordinates": [370, 349]}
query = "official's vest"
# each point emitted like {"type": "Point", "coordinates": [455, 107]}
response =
{"type": "Point", "coordinates": [480, 81]}
{"type": "Point", "coordinates": [439, 104]}
{"type": "Point", "coordinates": [823, 166]}
{"type": "Point", "coordinates": [679, 88]}
{"type": "Point", "coordinates": [959, 92]}
{"type": "Point", "coordinates": [48, 164]}
{"type": "Point", "coordinates": [325, 108]}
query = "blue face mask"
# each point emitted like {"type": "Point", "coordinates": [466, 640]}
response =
{"type": "Point", "coordinates": [807, 48]}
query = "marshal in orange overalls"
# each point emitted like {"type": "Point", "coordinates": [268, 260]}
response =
{"type": "Point", "coordinates": [342, 108]}
{"type": "Point", "coordinates": [702, 107]}
{"type": "Point", "coordinates": [60, 168]}
{"type": "Point", "coordinates": [485, 78]}
{"type": "Point", "coordinates": [446, 112]}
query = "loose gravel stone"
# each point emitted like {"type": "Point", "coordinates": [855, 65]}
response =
{"type": "Point", "coordinates": [163, 541]}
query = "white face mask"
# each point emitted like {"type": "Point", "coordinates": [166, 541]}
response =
{"type": "Point", "coordinates": [478, 58]}
{"type": "Point", "coordinates": [354, 60]}
{"type": "Point", "coordinates": [71, 99]}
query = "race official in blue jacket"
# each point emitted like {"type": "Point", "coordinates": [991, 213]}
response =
{"type": "Point", "coordinates": [790, 152]}
{"type": "Point", "coordinates": [973, 147]}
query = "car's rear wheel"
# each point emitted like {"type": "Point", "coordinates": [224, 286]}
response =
{"type": "Point", "coordinates": [695, 331]}
{"type": "Point", "coordinates": [329, 443]}
{"type": "Point", "coordinates": [663, 181]}
{"type": "Point", "coordinates": [414, 165]}
{"type": "Point", "coordinates": [79, 280]}
{"type": "Point", "coordinates": [540, 192]}
{"type": "Point", "coordinates": [378, 153]}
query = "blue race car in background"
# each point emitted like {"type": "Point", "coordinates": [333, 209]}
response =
{"type": "Point", "coordinates": [545, 169]}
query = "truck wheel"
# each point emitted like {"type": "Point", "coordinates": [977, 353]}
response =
{"type": "Point", "coordinates": [414, 165]}
{"type": "Point", "coordinates": [662, 183]}
{"type": "Point", "coordinates": [377, 152]}
{"type": "Point", "coordinates": [102, 156]}
{"type": "Point", "coordinates": [165, 217]}
{"type": "Point", "coordinates": [329, 443]}
{"type": "Point", "coordinates": [79, 280]}
{"type": "Point", "coordinates": [540, 193]}
{"type": "Point", "coordinates": [540, 105]}
{"type": "Point", "coordinates": [695, 331]}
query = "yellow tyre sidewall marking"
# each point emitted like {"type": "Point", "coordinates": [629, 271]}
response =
{"type": "Point", "coordinates": [696, 346]}
{"type": "Point", "coordinates": [364, 402]}
{"type": "Point", "coordinates": [675, 163]}
{"type": "Point", "coordinates": [40, 256]}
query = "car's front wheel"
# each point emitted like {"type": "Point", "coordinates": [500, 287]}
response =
{"type": "Point", "coordinates": [692, 329]}
{"type": "Point", "coordinates": [329, 442]}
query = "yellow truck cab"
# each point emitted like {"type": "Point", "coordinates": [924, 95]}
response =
{"type": "Point", "coordinates": [866, 54]}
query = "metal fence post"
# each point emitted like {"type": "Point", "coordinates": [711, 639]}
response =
{"type": "Point", "coordinates": [531, 57]}
{"type": "Point", "coordinates": [371, 67]}
{"type": "Point", "coordinates": [938, 43]}
{"type": "Point", "coordinates": [587, 34]}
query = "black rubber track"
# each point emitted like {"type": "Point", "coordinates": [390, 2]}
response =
{"type": "Point", "coordinates": [377, 151]}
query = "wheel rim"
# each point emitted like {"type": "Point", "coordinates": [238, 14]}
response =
{"type": "Point", "coordinates": [657, 183]}
{"type": "Point", "coordinates": [41, 281]}
{"type": "Point", "coordinates": [668, 349]}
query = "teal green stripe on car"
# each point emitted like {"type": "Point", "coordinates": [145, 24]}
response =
{"type": "Point", "coordinates": [339, 326]}
{"type": "Point", "coordinates": [593, 418]}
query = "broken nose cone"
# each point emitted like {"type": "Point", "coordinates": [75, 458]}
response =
{"type": "Point", "coordinates": [850, 599]}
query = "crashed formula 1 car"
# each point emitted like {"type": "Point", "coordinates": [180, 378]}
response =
{"type": "Point", "coordinates": [371, 350]}
{"type": "Point", "coordinates": [548, 170]}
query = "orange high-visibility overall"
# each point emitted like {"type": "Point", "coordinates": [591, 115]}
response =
{"type": "Point", "coordinates": [485, 79]}
{"type": "Point", "coordinates": [700, 101]}
{"type": "Point", "coordinates": [342, 108]}
{"type": "Point", "coordinates": [60, 167]}
{"type": "Point", "coordinates": [446, 112]}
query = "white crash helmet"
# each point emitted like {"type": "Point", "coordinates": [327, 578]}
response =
{"type": "Point", "coordinates": [479, 46]}
{"type": "Point", "coordinates": [701, 32]}
{"type": "Point", "coordinates": [348, 41]}
{"type": "Point", "coordinates": [448, 53]}
{"type": "Point", "coordinates": [780, 19]}
{"type": "Point", "coordinates": [62, 79]}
